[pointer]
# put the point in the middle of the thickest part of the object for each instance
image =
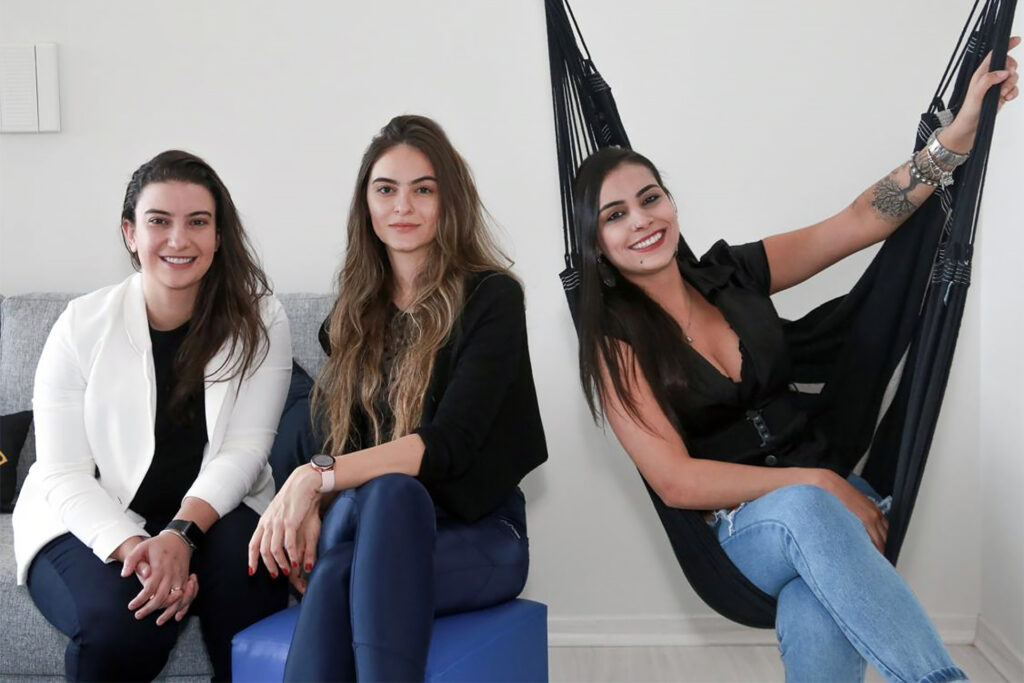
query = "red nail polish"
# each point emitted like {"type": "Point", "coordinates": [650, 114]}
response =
{"type": "Point", "coordinates": [250, 571]}
{"type": "Point", "coordinates": [295, 565]}
{"type": "Point", "coordinates": [273, 575]}
{"type": "Point", "coordinates": [309, 567]}
{"type": "Point", "coordinates": [285, 571]}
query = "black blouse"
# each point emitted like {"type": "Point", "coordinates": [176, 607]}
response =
{"type": "Point", "coordinates": [180, 438]}
{"type": "Point", "coordinates": [758, 420]}
{"type": "Point", "coordinates": [481, 423]}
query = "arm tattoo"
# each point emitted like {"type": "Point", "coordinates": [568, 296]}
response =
{"type": "Point", "coordinates": [891, 200]}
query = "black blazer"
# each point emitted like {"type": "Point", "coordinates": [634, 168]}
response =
{"type": "Point", "coordinates": [481, 424]}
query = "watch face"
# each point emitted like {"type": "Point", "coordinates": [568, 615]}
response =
{"type": "Point", "coordinates": [322, 460]}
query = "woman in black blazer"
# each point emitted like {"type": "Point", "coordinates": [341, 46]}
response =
{"type": "Point", "coordinates": [429, 397]}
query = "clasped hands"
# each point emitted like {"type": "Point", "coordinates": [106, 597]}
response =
{"type": "Point", "coordinates": [287, 533]}
{"type": "Point", "coordinates": [161, 564]}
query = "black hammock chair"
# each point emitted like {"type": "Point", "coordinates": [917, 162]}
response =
{"type": "Point", "coordinates": [903, 314]}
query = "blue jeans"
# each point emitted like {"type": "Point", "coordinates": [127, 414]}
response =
{"type": "Point", "coordinates": [840, 602]}
{"type": "Point", "coordinates": [388, 561]}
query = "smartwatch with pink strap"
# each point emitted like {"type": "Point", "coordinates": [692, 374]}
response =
{"type": "Point", "coordinates": [324, 464]}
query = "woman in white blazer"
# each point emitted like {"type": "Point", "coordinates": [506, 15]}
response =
{"type": "Point", "coordinates": [156, 401]}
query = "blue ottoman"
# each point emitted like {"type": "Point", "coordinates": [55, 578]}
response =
{"type": "Point", "coordinates": [508, 642]}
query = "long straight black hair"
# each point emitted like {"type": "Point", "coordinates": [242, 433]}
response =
{"type": "Point", "coordinates": [611, 315]}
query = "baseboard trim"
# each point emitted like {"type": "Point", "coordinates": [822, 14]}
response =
{"type": "Point", "coordinates": [642, 631]}
{"type": "Point", "coordinates": [667, 630]}
{"type": "Point", "coordinates": [1008, 662]}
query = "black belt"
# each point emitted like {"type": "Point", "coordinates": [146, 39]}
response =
{"type": "Point", "coordinates": [759, 433]}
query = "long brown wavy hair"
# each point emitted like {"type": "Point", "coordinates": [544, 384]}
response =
{"type": "Point", "coordinates": [227, 307]}
{"type": "Point", "coordinates": [351, 378]}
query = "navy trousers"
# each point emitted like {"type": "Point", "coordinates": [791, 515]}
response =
{"type": "Point", "coordinates": [388, 561]}
{"type": "Point", "coordinates": [87, 601]}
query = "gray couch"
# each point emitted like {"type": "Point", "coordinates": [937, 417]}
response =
{"type": "Point", "coordinates": [31, 647]}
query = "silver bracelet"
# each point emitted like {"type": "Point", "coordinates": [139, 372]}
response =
{"type": "Point", "coordinates": [944, 176]}
{"type": "Point", "coordinates": [942, 155]}
{"type": "Point", "coordinates": [919, 175]}
{"type": "Point", "coordinates": [180, 536]}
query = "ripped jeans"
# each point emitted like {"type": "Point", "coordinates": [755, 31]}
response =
{"type": "Point", "coordinates": [840, 603]}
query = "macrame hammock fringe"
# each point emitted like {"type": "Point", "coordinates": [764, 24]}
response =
{"type": "Point", "coordinates": [901, 317]}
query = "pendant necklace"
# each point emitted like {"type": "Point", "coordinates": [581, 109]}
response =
{"type": "Point", "coordinates": [689, 321]}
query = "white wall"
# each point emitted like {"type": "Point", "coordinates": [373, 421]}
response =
{"type": "Point", "coordinates": [1002, 405]}
{"type": "Point", "coordinates": [764, 117]}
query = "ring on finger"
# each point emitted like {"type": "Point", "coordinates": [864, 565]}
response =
{"type": "Point", "coordinates": [175, 589]}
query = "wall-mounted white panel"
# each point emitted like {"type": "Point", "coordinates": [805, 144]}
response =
{"type": "Point", "coordinates": [18, 113]}
{"type": "Point", "coordinates": [47, 88]}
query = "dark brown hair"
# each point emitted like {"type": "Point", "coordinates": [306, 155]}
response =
{"type": "Point", "coordinates": [227, 306]}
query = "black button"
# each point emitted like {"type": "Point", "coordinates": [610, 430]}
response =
{"type": "Point", "coordinates": [771, 461]}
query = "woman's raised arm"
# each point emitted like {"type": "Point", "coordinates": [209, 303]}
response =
{"type": "Point", "coordinates": [874, 215]}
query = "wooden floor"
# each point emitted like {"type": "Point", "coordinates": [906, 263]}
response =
{"type": "Point", "coordinates": [728, 664]}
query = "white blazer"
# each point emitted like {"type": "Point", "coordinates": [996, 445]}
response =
{"type": "Point", "coordinates": [95, 409]}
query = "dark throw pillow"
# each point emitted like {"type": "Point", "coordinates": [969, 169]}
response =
{"type": "Point", "coordinates": [294, 444]}
{"type": "Point", "coordinates": [13, 432]}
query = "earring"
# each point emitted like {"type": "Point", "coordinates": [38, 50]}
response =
{"type": "Point", "coordinates": [605, 271]}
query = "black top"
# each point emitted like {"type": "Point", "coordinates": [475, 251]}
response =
{"type": "Point", "coordinates": [758, 420]}
{"type": "Point", "coordinates": [481, 424]}
{"type": "Point", "coordinates": [180, 437]}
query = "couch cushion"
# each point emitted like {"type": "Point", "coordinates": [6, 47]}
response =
{"type": "Point", "coordinates": [25, 323]}
{"type": "Point", "coordinates": [305, 314]}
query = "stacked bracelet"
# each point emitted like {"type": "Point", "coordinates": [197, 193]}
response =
{"type": "Point", "coordinates": [941, 154]}
{"type": "Point", "coordinates": [936, 171]}
{"type": "Point", "coordinates": [928, 178]}
{"type": "Point", "coordinates": [930, 169]}
{"type": "Point", "coordinates": [934, 163]}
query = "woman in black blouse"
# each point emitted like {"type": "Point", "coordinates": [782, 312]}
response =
{"type": "Point", "coordinates": [429, 395]}
{"type": "Point", "coordinates": [681, 354]}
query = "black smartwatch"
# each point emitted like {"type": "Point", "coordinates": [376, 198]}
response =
{"type": "Point", "coordinates": [187, 531]}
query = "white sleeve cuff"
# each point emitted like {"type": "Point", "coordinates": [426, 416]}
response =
{"type": "Point", "coordinates": [107, 541]}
